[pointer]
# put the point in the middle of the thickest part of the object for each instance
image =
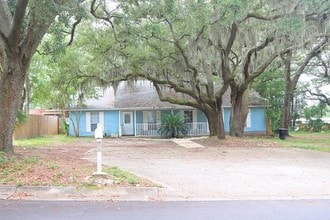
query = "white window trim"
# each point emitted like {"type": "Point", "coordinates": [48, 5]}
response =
{"type": "Point", "coordinates": [88, 121]}
{"type": "Point", "coordinates": [248, 119]}
{"type": "Point", "coordinates": [101, 120]}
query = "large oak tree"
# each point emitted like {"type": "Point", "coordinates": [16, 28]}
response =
{"type": "Point", "coordinates": [23, 24]}
{"type": "Point", "coordinates": [200, 48]}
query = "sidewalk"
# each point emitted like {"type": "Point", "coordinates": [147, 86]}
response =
{"type": "Point", "coordinates": [187, 143]}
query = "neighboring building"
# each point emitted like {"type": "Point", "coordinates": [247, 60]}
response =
{"type": "Point", "coordinates": [138, 112]}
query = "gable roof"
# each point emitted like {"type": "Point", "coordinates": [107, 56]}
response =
{"type": "Point", "coordinates": [143, 95]}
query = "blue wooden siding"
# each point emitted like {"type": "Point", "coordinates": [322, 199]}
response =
{"type": "Point", "coordinates": [139, 117]}
{"type": "Point", "coordinates": [73, 120]}
{"type": "Point", "coordinates": [112, 120]}
{"type": "Point", "coordinates": [258, 119]}
{"type": "Point", "coordinates": [201, 116]}
{"type": "Point", "coordinates": [226, 117]}
{"type": "Point", "coordinates": [111, 123]}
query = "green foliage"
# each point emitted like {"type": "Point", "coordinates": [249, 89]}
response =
{"type": "Point", "coordinates": [273, 93]}
{"type": "Point", "coordinates": [291, 24]}
{"type": "Point", "coordinates": [121, 175]}
{"type": "Point", "coordinates": [70, 76]}
{"type": "Point", "coordinates": [66, 126]}
{"type": "Point", "coordinates": [173, 125]}
{"type": "Point", "coordinates": [21, 118]}
{"type": "Point", "coordinates": [315, 111]}
{"type": "Point", "coordinates": [31, 160]}
{"type": "Point", "coordinates": [318, 141]}
{"type": "Point", "coordinates": [173, 41]}
{"type": "Point", "coordinates": [40, 142]}
{"type": "Point", "coordinates": [315, 125]}
{"type": "Point", "coordinates": [3, 158]}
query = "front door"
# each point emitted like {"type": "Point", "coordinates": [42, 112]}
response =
{"type": "Point", "coordinates": [127, 123]}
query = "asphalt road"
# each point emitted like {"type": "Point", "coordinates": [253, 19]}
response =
{"type": "Point", "coordinates": [233, 210]}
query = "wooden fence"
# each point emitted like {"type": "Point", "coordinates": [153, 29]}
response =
{"type": "Point", "coordinates": [36, 126]}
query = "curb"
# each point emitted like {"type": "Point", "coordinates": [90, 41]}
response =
{"type": "Point", "coordinates": [114, 193]}
{"type": "Point", "coordinates": [7, 191]}
{"type": "Point", "coordinates": [70, 193]}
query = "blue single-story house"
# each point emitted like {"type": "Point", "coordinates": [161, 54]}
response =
{"type": "Point", "coordinates": [138, 112]}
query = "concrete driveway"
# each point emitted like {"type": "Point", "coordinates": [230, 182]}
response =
{"type": "Point", "coordinates": [222, 173]}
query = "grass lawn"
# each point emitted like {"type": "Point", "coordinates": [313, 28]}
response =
{"type": "Point", "coordinates": [319, 141]}
{"type": "Point", "coordinates": [41, 142]}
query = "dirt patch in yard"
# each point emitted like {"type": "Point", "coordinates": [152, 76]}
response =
{"type": "Point", "coordinates": [58, 164]}
{"type": "Point", "coordinates": [236, 142]}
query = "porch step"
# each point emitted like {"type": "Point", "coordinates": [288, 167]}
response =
{"type": "Point", "coordinates": [186, 143]}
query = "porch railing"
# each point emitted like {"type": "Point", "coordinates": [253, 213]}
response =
{"type": "Point", "coordinates": [151, 129]}
{"type": "Point", "coordinates": [147, 130]}
{"type": "Point", "coordinates": [198, 129]}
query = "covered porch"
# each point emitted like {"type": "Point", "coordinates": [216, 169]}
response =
{"type": "Point", "coordinates": [151, 129]}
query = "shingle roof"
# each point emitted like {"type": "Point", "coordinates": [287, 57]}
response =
{"type": "Point", "coordinates": [143, 95]}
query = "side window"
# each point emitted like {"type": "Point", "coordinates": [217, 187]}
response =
{"type": "Point", "coordinates": [151, 117]}
{"type": "Point", "coordinates": [92, 119]}
{"type": "Point", "coordinates": [188, 115]}
{"type": "Point", "coordinates": [95, 119]}
{"type": "Point", "coordinates": [151, 120]}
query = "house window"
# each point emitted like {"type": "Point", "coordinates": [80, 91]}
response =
{"type": "Point", "coordinates": [92, 119]}
{"type": "Point", "coordinates": [95, 119]}
{"type": "Point", "coordinates": [127, 119]}
{"type": "Point", "coordinates": [151, 117]}
{"type": "Point", "coordinates": [188, 116]}
{"type": "Point", "coordinates": [151, 120]}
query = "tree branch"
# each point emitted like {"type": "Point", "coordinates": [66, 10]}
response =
{"type": "Point", "coordinates": [5, 19]}
{"type": "Point", "coordinates": [174, 100]}
{"type": "Point", "coordinates": [254, 51]}
{"type": "Point", "coordinates": [16, 30]}
{"type": "Point", "coordinates": [314, 52]}
{"type": "Point", "coordinates": [107, 18]}
{"type": "Point", "coordinates": [324, 65]}
{"type": "Point", "coordinates": [74, 25]}
{"type": "Point", "coordinates": [232, 37]}
{"type": "Point", "coordinates": [261, 17]}
{"type": "Point", "coordinates": [319, 96]}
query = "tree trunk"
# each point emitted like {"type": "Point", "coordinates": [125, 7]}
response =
{"type": "Point", "coordinates": [269, 127]}
{"type": "Point", "coordinates": [11, 88]}
{"type": "Point", "coordinates": [239, 111]}
{"type": "Point", "coordinates": [216, 125]}
{"type": "Point", "coordinates": [20, 35]}
{"type": "Point", "coordinates": [286, 113]}
{"type": "Point", "coordinates": [215, 119]}
{"type": "Point", "coordinates": [76, 126]}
